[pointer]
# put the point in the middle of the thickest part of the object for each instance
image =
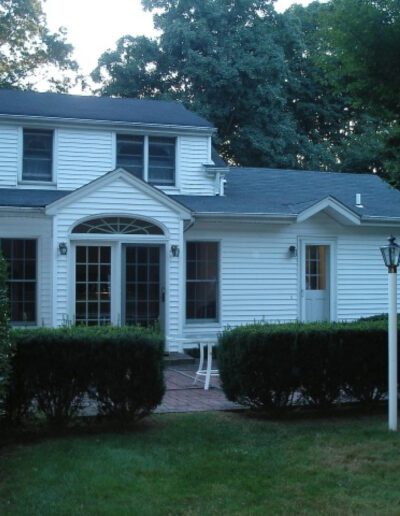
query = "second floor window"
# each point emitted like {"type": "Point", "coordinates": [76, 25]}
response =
{"type": "Point", "coordinates": [158, 168]}
{"type": "Point", "coordinates": [130, 153]}
{"type": "Point", "coordinates": [37, 155]}
{"type": "Point", "coordinates": [162, 161]}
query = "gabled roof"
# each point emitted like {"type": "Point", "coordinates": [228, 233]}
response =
{"type": "Point", "coordinates": [288, 193]}
{"type": "Point", "coordinates": [80, 107]}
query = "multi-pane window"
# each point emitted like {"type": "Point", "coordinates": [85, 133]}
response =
{"type": "Point", "coordinates": [159, 168]}
{"type": "Point", "coordinates": [130, 153]}
{"type": "Point", "coordinates": [37, 155]}
{"type": "Point", "coordinates": [201, 280]}
{"type": "Point", "coordinates": [316, 258]}
{"type": "Point", "coordinates": [142, 296]}
{"type": "Point", "coordinates": [93, 285]}
{"type": "Point", "coordinates": [20, 255]}
{"type": "Point", "coordinates": [162, 161]}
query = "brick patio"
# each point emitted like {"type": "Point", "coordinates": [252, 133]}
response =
{"type": "Point", "coordinates": [183, 396]}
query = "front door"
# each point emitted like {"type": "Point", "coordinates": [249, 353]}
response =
{"type": "Point", "coordinates": [143, 296]}
{"type": "Point", "coordinates": [316, 283]}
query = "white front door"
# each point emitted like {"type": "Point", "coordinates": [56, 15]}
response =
{"type": "Point", "coordinates": [316, 290]}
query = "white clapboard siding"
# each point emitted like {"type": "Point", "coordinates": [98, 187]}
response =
{"type": "Point", "coordinates": [260, 281]}
{"type": "Point", "coordinates": [9, 156]}
{"type": "Point", "coordinates": [119, 198]}
{"type": "Point", "coordinates": [82, 156]}
{"type": "Point", "coordinates": [192, 155]}
{"type": "Point", "coordinates": [38, 227]}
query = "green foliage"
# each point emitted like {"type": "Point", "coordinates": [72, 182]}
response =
{"type": "Point", "coordinates": [272, 366]}
{"type": "Point", "coordinates": [53, 370]}
{"type": "Point", "coordinates": [5, 342]}
{"type": "Point", "coordinates": [313, 88]}
{"type": "Point", "coordinates": [28, 50]}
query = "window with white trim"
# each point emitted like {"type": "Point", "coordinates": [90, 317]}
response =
{"type": "Point", "coordinates": [21, 257]}
{"type": "Point", "coordinates": [159, 166]}
{"type": "Point", "coordinates": [202, 281]}
{"type": "Point", "coordinates": [37, 161]}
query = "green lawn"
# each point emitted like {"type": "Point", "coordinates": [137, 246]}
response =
{"type": "Point", "coordinates": [204, 464]}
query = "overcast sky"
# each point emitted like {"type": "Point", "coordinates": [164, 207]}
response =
{"type": "Point", "coordinates": [95, 25]}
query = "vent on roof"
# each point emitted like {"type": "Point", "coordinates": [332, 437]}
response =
{"type": "Point", "coordinates": [359, 204]}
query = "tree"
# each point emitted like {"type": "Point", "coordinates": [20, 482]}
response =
{"type": "Point", "coordinates": [29, 52]}
{"type": "Point", "coordinates": [5, 343]}
{"type": "Point", "coordinates": [225, 60]}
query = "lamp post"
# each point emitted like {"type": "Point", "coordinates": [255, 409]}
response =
{"type": "Point", "coordinates": [391, 257]}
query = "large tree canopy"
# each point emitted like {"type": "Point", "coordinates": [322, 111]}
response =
{"type": "Point", "coordinates": [29, 52]}
{"type": "Point", "coordinates": [310, 88]}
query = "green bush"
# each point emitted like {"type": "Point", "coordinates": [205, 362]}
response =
{"type": "Point", "coordinates": [5, 342]}
{"type": "Point", "coordinates": [264, 365]}
{"type": "Point", "coordinates": [53, 370]}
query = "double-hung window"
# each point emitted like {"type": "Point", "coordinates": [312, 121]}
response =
{"type": "Point", "coordinates": [130, 153]}
{"type": "Point", "coordinates": [151, 158]}
{"type": "Point", "coordinates": [161, 161]}
{"type": "Point", "coordinates": [202, 281]}
{"type": "Point", "coordinates": [37, 155]}
{"type": "Point", "coordinates": [21, 257]}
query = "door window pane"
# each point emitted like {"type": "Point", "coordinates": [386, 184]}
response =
{"type": "Point", "coordinates": [316, 267]}
{"type": "Point", "coordinates": [93, 285]}
{"type": "Point", "coordinates": [142, 285]}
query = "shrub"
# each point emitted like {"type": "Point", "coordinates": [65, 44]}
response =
{"type": "Point", "coordinates": [5, 342]}
{"type": "Point", "coordinates": [264, 365]}
{"type": "Point", "coordinates": [127, 377]}
{"type": "Point", "coordinates": [54, 369]}
{"type": "Point", "coordinates": [253, 376]}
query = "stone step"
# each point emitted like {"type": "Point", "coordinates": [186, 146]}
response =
{"type": "Point", "coordinates": [176, 358]}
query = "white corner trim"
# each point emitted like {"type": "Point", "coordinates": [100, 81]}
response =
{"type": "Point", "coordinates": [334, 208]}
{"type": "Point", "coordinates": [131, 180]}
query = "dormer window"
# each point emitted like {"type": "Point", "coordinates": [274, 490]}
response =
{"type": "Point", "coordinates": [162, 161]}
{"type": "Point", "coordinates": [37, 155]}
{"type": "Point", "coordinates": [151, 158]}
{"type": "Point", "coordinates": [130, 153]}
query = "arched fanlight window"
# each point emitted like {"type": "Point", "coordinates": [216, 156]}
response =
{"type": "Point", "coordinates": [122, 225]}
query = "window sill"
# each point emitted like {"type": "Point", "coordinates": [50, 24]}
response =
{"type": "Point", "coordinates": [42, 184]}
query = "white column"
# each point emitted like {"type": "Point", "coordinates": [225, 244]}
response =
{"type": "Point", "coordinates": [392, 351]}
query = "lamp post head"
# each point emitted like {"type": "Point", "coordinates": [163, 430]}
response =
{"type": "Point", "coordinates": [391, 254]}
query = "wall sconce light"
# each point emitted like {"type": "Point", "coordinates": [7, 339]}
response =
{"type": "Point", "coordinates": [175, 251]}
{"type": "Point", "coordinates": [62, 247]}
{"type": "Point", "coordinates": [292, 251]}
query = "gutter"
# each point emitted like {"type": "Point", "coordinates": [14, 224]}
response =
{"type": "Point", "coordinates": [36, 119]}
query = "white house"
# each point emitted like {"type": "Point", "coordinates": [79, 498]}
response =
{"type": "Point", "coordinates": [117, 211]}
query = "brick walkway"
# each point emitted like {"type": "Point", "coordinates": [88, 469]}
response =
{"type": "Point", "coordinates": [182, 396]}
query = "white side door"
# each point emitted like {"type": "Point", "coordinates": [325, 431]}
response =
{"type": "Point", "coordinates": [316, 282]}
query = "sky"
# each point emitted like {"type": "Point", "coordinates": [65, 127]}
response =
{"type": "Point", "coordinates": [94, 26]}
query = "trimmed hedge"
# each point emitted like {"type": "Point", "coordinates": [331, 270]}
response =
{"type": "Point", "coordinates": [53, 370]}
{"type": "Point", "coordinates": [274, 366]}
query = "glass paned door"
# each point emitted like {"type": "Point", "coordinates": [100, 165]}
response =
{"type": "Point", "coordinates": [93, 285]}
{"type": "Point", "coordinates": [142, 285]}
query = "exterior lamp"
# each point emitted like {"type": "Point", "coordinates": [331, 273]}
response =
{"type": "Point", "coordinates": [391, 257]}
{"type": "Point", "coordinates": [175, 251]}
{"type": "Point", "coordinates": [62, 247]}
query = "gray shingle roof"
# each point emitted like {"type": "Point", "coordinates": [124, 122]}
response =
{"type": "Point", "coordinates": [55, 105]}
{"type": "Point", "coordinates": [263, 191]}
{"type": "Point", "coordinates": [289, 192]}
{"type": "Point", "coordinates": [16, 197]}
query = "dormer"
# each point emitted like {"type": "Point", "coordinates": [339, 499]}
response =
{"type": "Point", "coordinates": [57, 141]}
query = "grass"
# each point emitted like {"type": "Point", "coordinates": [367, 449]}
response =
{"type": "Point", "coordinates": [214, 463]}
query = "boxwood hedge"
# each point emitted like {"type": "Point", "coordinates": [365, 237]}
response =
{"type": "Point", "coordinates": [54, 370]}
{"type": "Point", "coordinates": [273, 366]}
